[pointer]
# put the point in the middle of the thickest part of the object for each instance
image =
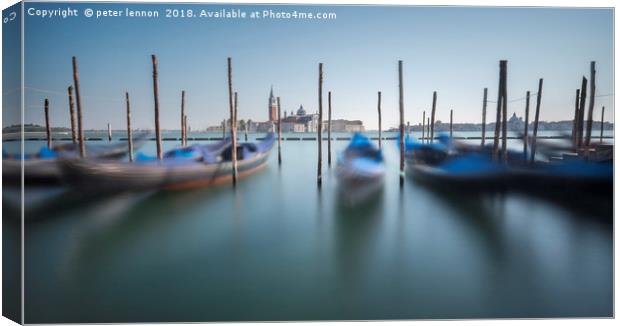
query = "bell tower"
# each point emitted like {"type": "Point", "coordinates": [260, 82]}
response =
{"type": "Point", "coordinates": [273, 106]}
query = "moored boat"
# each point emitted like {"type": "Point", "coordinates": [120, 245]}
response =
{"type": "Point", "coordinates": [214, 166]}
{"type": "Point", "coordinates": [42, 167]}
{"type": "Point", "coordinates": [360, 171]}
{"type": "Point", "coordinates": [360, 162]}
{"type": "Point", "coordinates": [478, 173]}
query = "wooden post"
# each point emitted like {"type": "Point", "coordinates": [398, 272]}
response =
{"type": "Point", "coordinates": [246, 128]}
{"type": "Point", "coordinates": [129, 134]}
{"type": "Point", "coordinates": [186, 126]}
{"type": "Point", "coordinates": [591, 104]}
{"type": "Point", "coordinates": [156, 98]}
{"type": "Point", "coordinates": [48, 128]}
{"type": "Point", "coordinates": [484, 116]}
{"type": "Point", "coordinates": [505, 114]}
{"type": "Point", "coordinates": [183, 128]}
{"type": "Point", "coordinates": [408, 128]}
{"type": "Point", "coordinates": [527, 121]}
{"type": "Point", "coordinates": [279, 133]}
{"type": "Point", "coordinates": [575, 133]}
{"type": "Point", "coordinates": [602, 124]}
{"type": "Point", "coordinates": [582, 107]}
{"type": "Point", "coordinates": [423, 123]}
{"type": "Point", "coordinates": [498, 116]}
{"type": "Point", "coordinates": [109, 132]}
{"type": "Point", "coordinates": [450, 123]}
{"type": "Point", "coordinates": [72, 115]}
{"type": "Point", "coordinates": [224, 129]}
{"type": "Point", "coordinates": [233, 133]}
{"type": "Point", "coordinates": [433, 117]}
{"type": "Point", "coordinates": [320, 131]}
{"type": "Point", "coordinates": [235, 112]}
{"type": "Point", "coordinates": [401, 108]}
{"type": "Point", "coordinates": [428, 129]}
{"type": "Point", "coordinates": [329, 128]}
{"type": "Point", "coordinates": [76, 86]}
{"type": "Point", "coordinates": [538, 98]}
{"type": "Point", "coordinates": [379, 112]}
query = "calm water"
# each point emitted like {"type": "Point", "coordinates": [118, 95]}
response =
{"type": "Point", "coordinates": [277, 249]}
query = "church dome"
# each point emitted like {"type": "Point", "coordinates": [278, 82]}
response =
{"type": "Point", "coordinates": [301, 111]}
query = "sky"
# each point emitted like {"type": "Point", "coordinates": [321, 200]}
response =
{"type": "Point", "coordinates": [452, 50]}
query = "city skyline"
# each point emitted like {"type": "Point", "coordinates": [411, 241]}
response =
{"type": "Point", "coordinates": [450, 50]}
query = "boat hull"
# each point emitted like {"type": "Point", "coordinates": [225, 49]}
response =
{"type": "Point", "coordinates": [112, 176]}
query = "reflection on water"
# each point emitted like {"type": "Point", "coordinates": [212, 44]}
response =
{"type": "Point", "coordinates": [276, 248]}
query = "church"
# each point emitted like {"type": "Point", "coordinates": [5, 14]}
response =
{"type": "Point", "coordinates": [299, 121]}
{"type": "Point", "coordinates": [296, 122]}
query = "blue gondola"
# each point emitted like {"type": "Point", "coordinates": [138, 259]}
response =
{"type": "Point", "coordinates": [360, 162]}
{"type": "Point", "coordinates": [42, 167]}
{"type": "Point", "coordinates": [179, 170]}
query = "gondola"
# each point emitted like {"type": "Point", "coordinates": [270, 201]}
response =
{"type": "Point", "coordinates": [478, 172]}
{"type": "Point", "coordinates": [42, 167]}
{"type": "Point", "coordinates": [360, 162]}
{"type": "Point", "coordinates": [360, 171]}
{"type": "Point", "coordinates": [212, 167]}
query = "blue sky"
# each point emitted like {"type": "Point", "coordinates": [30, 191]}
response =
{"type": "Point", "coordinates": [452, 50]}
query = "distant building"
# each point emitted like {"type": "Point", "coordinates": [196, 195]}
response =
{"type": "Point", "coordinates": [515, 123]}
{"type": "Point", "coordinates": [214, 129]}
{"type": "Point", "coordinates": [273, 106]}
{"type": "Point", "coordinates": [267, 126]}
{"type": "Point", "coordinates": [300, 122]}
{"type": "Point", "coordinates": [293, 127]}
{"type": "Point", "coordinates": [342, 125]}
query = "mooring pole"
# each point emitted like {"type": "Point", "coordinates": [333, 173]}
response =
{"type": "Point", "coordinates": [484, 116]}
{"type": "Point", "coordinates": [450, 123]}
{"type": "Point", "coordinates": [433, 117]}
{"type": "Point", "coordinates": [582, 107]}
{"type": "Point", "coordinates": [379, 112]}
{"type": "Point", "coordinates": [76, 86]}
{"type": "Point", "coordinates": [233, 127]}
{"type": "Point", "coordinates": [109, 132]}
{"type": "Point", "coordinates": [156, 98]}
{"type": "Point", "coordinates": [186, 126]}
{"type": "Point", "coordinates": [48, 128]}
{"type": "Point", "coordinates": [183, 129]}
{"type": "Point", "coordinates": [233, 133]}
{"type": "Point", "coordinates": [279, 132]}
{"type": "Point", "coordinates": [534, 134]}
{"type": "Point", "coordinates": [320, 131]}
{"type": "Point", "coordinates": [72, 115]}
{"type": "Point", "coordinates": [329, 128]}
{"type": "Point", "coordinates": [576, 121]}
{"type": "Point", "coordinates": [591, 104]}
{"type": "Point", "coordinates": [401, 108]}
{"type": "Point", "coordinates": [527, 121]}
{"type": "Point", "coordinates": [428, 129]}
{"type": "Point", "coordinates": [423, 123]}
{"type": "Point", "coordinates": [498, 117]}
{"type": "Point", "coordinates": [129, 134]}
{"type": "Point", "coordinates": [602, 124]}
{"type": "Point", "coordinates": [505, 114]}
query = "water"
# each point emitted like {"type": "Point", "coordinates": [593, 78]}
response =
{"type": "Point", "coordinates": [276, 248]}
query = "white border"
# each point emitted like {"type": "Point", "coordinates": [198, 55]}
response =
{"type": "Point", "coordinates": [505, 3]}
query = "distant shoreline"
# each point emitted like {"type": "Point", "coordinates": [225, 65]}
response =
{"type": "Point", "coordinates": [565, 126]}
